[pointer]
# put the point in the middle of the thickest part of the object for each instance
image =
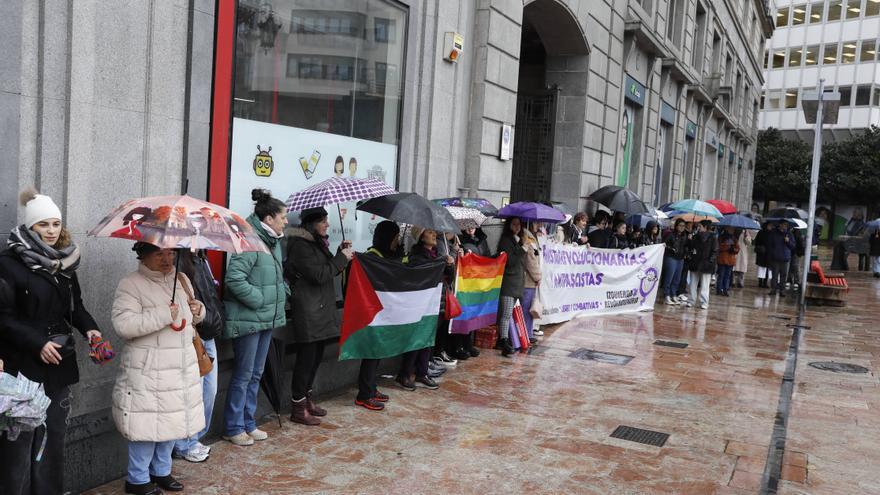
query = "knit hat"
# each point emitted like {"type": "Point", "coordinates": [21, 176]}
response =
{"type": "Point", "coordinates": [38, 207]}
{"type": "Point", "coordinates": [310, 215]}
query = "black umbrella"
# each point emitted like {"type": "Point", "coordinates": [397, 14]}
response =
{"type": "Point", "coordinates": [273, 375]}
{"type": "Point", "coordinates": [617, 198]}
{"type": "Point", "coordinates": [412, 209]}
{"type": "Point", "coordinates": [788, 212]}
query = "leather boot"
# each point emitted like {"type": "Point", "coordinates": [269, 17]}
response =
{"type": "Point", "coordinates": [300, 413]}
{"type": "Point", "coordinates": [506, 347]}
{"type": "Point", "coordinates": [313, 408]}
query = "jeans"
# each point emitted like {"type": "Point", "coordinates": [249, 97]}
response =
{"type": "Point", "coordinates": [794, 272]}
{"type": "Point", "coordinates": [778, 274]}
{"type": "Point", "coordinates": [367, 379]}
{"type": "Point", "coordinates": [700, 285]}
{"type": "Point", "coordinates": [20, 473]}
{"type": "Point", "coordinates": [528, 297]}
{"type": "Point", "coordinates": [241, 399]}
{"type": "Point", "coordinates": [148, 458]}
{"type": "Point", "coordinates": [308, 359]}
{"type": "Point", "coordinates": [725, 278]}
{"type": "Point", "coordinates": [209, 393]}
{"type": "Point", "coordinates": [671, 275]}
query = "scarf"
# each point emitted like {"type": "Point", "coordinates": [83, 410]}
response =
{"type": "Point", "coordinates": [39, 256]}
{"type": "Point", "coordinates": [271, 231]}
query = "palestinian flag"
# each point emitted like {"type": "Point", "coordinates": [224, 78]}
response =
{"type": "Point", "coordinates": [478, 288]}
{"type": "Point", "coordinates": [390, 308]}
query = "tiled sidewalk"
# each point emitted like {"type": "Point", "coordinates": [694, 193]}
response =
{"type": "Point", "coordinates": [541, 423]}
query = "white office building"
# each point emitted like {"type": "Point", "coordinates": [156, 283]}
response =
{"type": "Point", "coordinates": [831, 39]}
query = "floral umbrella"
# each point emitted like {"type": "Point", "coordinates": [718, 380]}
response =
{"type": "Point", "coordinates": [176, 222]}
{"type": "Point", "coordinates": [466, 217]}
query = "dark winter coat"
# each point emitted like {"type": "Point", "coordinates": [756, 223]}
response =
{"type": "Point", "coordinates": [617, 241]}
{"type": "Point", "coordinates": [311, 270]}
{"type": "Point", "coordinates": [514, 271]}
{"type": "Point", "coordinates": [780, 245]}
{"type": "Point", "coordinates": [599, 237]}
{"type": "Point", "coordinates": [38, 305]}
{"type": "Point", "coordinates": [874, 244]}
{"type": "Point", "coordinates": [703, 248]}
{"type": "Point", "coordinates": [255, 288]}
{"type": "Point", "coordinates": [676, 245]}
{"type": "Point", "coordinates": [760, 244]}
{"type": "Point", "coordinates": [205, 290]}
{"type": "Point", "coordinates": [573, 235]}
{"type": "Point", "coordinates": [476, 243]}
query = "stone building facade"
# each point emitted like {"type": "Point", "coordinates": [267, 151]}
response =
{"type": "Point", "coordinates": [105, 100]}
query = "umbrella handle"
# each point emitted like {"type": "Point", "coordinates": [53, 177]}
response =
{"type": "Point", "coordinates": [341, 226]}
{"type": "Point", "coordinates": [176, 269]}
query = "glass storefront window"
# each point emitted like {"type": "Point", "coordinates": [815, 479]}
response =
{"type": "Point", "coordinates": [334, 70]}
{"type": "Point", "coordinates": [798, 15]}
{"type": "Point", "coordinates": [853, 9]}
{"type": "Point", "coordinates": [811, 55]}
{"type": "Point", "coordinates": [794, 56]}
{"type": "Point", "coordinates": [830, 56]}
{"type": "Point", "coordinates": [817, 10]}
{"type": "Point", "coordinates": [835, 10]}
{"type": "Point", "coordinates": [868, 51]}
{"type": "Point", "coordinates": [782, 17]}
{"type": "Point", "coordinates": [848, 54]}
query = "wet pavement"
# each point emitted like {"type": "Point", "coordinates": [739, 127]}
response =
{"type": "Point", "coordinates": [541, 423]}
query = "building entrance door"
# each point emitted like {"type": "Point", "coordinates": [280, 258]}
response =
{"type": "Point", "coordinates": [533, 146]}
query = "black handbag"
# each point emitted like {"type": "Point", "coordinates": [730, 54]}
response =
{"type": "Point", "coordinates": [65, 340]}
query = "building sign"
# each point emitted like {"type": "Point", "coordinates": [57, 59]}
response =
{"type": "Point", "coordinates": [721, 150]}
{"type": "Point", "coordinates": [667, 113]}
{"type": "Point", "coordinates": [286, 160]}
{"type": "Point", "coordinates": [711, 139]}
{"type": "Point", "coordinates": [506, 142]}
{"type": "Point", "coordinates": [579, 281]}
{"type": "Point", "coordinates": [690, 130]}
{"type": "Point", "coordinates": [731, 157]}
{"type": "Point", "coordinates": [634, 91]}
{"type": "Point", "coordinates": [739, 164]}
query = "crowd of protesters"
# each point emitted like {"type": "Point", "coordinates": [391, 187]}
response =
{"type": "Point", "coordinates": [162, 403]}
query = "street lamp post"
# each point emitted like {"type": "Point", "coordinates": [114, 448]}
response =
{"type": "Point", "coordinates": [819, 108]}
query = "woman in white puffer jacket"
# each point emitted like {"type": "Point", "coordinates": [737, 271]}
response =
{"type": "Point", "coordinates": [158, 394]}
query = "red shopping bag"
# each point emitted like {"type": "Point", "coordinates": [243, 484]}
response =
{"type": "Point", "coordinates": [453, 307]}
{"type": "Point", "coordinates": [520, 324]}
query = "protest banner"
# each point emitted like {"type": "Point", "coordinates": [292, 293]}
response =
{"type": "Point", "coordinates": [579, 281]}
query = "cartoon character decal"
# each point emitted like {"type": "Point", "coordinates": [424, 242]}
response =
{"type": "Point", "coordinates": [131, 220]}
{"type": "Point", "coordinates": [352, 167]}
{"type": "Point", "coordinates": [263, 163]}
{"type": "Point", "coordinates": [243, 243]}
{"type": "Point", "coordinates": [647, 282]}
{"type": "Point", "coordinates": [216, 225]}
{"type": "Point", "coordinates": [339, 166]}
{"type": "Point", "coordinates": [196, 219]}
{"type": "Point", "coordinates": [309, 166]}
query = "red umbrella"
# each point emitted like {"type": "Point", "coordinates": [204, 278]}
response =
{"type": "Point", "coordinates": [725, 207]}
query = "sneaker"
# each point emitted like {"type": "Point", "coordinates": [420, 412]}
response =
{"type": "Point", "coordinates": [538, 333]}
{"type": "Point", "coordinates": [704, 306]}
{"type": "Point", "coordinates": [690, 305]}
{"type": "Point", "coordinates": [202, 447]}
{"type": "Point", "coordinates": [406, 384]}
{"type": "Point", "coordinates": [446, 359]}
{"type": "Point", "coordinates": [461, 354]}
{"type": "Point", "coordinates": [372, 404]}
{"type": "Point", "coordinates": [435, 374]}
{"type": "Point", "coordinates": [242, 439]}
{"type": "Point", "coordinates": [787, 285]}
{"type": "Point", "coordinates": [381, 397]}
{"type": "Point", "coordinates": [427, 382]}
{"type": "Point", "coordinates": [258, 434]}
{"type": "Point", "coordinates": [682, 298]}
{"type": "Point", "coordinates": [193, 455]}
{"type": "Point", "coordinates": [670, 301]}
{"type": "Point", "coordinates": [434, 366]}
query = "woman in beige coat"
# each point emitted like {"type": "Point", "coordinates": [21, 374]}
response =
{"type": "Point", "coordinates": [158, 394]}
{"type": "Point", "coordinates": [532, 265]}
{"type": "Point", "coordinates": [742, 261]}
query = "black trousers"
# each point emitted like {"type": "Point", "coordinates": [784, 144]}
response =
{"type": "Point", "coordinates": [20, 472]}
{"type": "Point", "coordinates": [442, 341]}
{"type": "Point", "coordinates": [415, 363]}
{"type": "Point", "coordinates": [308, 359]}
{"type": "Point", "coordinates": [367, 379]}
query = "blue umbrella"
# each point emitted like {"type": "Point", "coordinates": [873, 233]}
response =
{"type": "Point", "coordinates": [873, 225]}
{"type": "Point", "coordinates": [696, 207]}
{"type": "Point", "coordinates": [739, 222]}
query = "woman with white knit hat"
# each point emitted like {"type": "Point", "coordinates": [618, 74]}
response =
{"type": "Point", "coordinates": [36, 339]}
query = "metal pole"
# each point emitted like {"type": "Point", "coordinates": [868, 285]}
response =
{"type": "Point", "coordinates": [814, 184]}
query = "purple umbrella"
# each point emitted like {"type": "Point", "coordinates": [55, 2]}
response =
{"type": "Point", "coordinates": [533, 212]}
{"type": "Point", "coordinates": [337, 190]}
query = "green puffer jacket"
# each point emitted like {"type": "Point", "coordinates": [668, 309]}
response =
{"type": "Point", "coordinates": [255, 289]}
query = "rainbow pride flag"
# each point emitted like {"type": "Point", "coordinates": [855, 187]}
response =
{"type": "Point", "coordinates": [478, 289]}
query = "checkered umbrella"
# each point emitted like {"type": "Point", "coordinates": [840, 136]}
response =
{"type": "Point", "coordinates": [466, 217]}
{"type": "Point", "coordinates": [337, 190]}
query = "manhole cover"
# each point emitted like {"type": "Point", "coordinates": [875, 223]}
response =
{"type": "Point", "coordinates": [639, 435]}
{"type": "Point", "coordinates": [602, 357]}
{"type": "Point", "coordinates": [677, 345]}
{"type": "Point", "coordinates": [839, 367]}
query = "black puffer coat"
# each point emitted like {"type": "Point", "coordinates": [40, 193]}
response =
{"type": "Point", "coordinates": [310, 271]}
{"type": "Point", "coordinates": [676, 245]}
{"type": "Point", "coordinates": [703, 247]}
{"type": "Point", "coordinates": [514, 271]}
{"type": "Point", "coordinates": [475, 243]}
{"type": "Point", "coordinates": [39, 305]}
{"type": "Point", "coordinates": [196, 268]}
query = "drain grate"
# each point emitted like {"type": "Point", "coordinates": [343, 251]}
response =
{"type": "Point", "coordinates": [639, 435]}
{"type": "Point", "coordinates": [839, 367]}
{"type": "Point", "coordinates": [778, 317]}
{"type": "Point", "coordinates": [804, 327]}
{"type": "Point", "coordinates": [677, 345]}
{"type": "Point", "coordinates": [602, 357]}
